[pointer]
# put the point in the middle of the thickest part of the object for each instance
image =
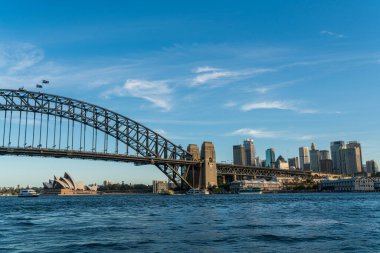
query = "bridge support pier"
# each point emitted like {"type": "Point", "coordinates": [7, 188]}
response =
{"type": "Point", "coordinates": [209, 178]}
{"type": "Point", "coordinates": [204, 175]}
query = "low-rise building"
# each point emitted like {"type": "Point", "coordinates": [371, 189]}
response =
{"type": "Point", "coordinates": [160, 186]}
{"type": "Point", "coordinates": [263, 184]}
{"type": "Point", "coordinates": [348, 185]}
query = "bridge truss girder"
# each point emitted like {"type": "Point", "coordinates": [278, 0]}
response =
{"type": "Point", "coordinates": [142, 140]}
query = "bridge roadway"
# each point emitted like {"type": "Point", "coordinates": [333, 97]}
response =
{"type": "Point", "coordinates": [89, 155]}
{"type": "Point", "coordinates": [222, 168]}
{"type": "Point", "coordinates": [241, 170]}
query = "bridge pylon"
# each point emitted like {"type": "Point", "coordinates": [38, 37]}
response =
{"type": "Point", "coordinates": [203, 175]}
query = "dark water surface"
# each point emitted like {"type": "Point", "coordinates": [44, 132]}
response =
{"type": "Point", "coordinates": [224, 223]}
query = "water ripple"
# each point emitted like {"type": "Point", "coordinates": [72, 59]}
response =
{"type": "Point", "coordinates": [224, 223]}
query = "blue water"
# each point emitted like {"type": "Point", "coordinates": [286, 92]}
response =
{"type": "Point", "coordinates": [224, 223]}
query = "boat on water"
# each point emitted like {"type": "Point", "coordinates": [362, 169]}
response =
{"type": "Point", "coordinates": [251, 190]}
{"type": "Point", "coordinates": [25, 193]}
{"type": "Point", "coordinates": [197, 191]}
{"type": "Point", "coordinates": [168, 192]}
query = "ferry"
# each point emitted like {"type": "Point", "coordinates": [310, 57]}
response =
{"type": "Point", "coordinates": [25, 193]}
{"type": "Point", "coordinates": [198, 191]}
{"type": "Point", "coordinates": [253, 190]}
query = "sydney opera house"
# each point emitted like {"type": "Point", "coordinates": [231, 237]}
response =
{"type": "Point", "coordinates": [67, 186]}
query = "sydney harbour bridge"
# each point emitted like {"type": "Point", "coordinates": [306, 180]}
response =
{"type": "Point", "coordinates": [46, 125]}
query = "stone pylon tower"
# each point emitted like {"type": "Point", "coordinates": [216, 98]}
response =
{"type": "Point", "coordinates": [208, 170]}
{"type": "Point", "coordinates": [194, 174]}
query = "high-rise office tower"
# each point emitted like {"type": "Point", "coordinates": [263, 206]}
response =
{"type": "Point", "coordinates": [293, 163]}
{"type": "Point", "coordinates": [325, 154]}
{"type": "Point", "coordinates": [249, 147]}
{"type": "Point", "coordinates": [315, 157]}
{"type": "Point", "coordinates": [270, 158]}
{"type": "Point", "coordinates": [258, 161]}
{"type": "Point", "coordinates": [371, 167]}
{"type": "Point", "coordinates": [355, 144]}
{"type": "Point", "coordinates": [336, 156]}
{"type": "Point", "coordinates": [239, 155]}
{"type": "Point", "coordinates": [326, 165]}
{"type": "Point", "coordinates": [353, 160]}
{"type": "Point", "coordinates": [304, 157]}
{"type": "Point", "coordinates": [281, 163]}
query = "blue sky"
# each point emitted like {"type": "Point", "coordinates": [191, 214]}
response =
{"type": "Point", "coordinates": [285, 73]}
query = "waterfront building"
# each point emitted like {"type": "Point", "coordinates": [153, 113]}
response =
{"type": "Point", "coordinates": [293, 163]}
{"type": "Point", "coordinates": [264, 185]}
{"type": "Point", "coordinates": [376, 185]}
{"type": "Point", "coordinates": [336, 148]}
{"type": "Point", "coordinates": [325, 154]}
{"type": "Point", "coordinates": [315, 157]}
{"type": "Point", "coordinates": [249, 148]}
{"type": "Point", "coordinates": [67, 186]}
{"type": "Point", "coordinates": [304, 157]}
{"type": "Point", "coordinates": [326, 165]}
{"type": "Point", "coordinates": [281, 163]}
{"type": "Point", "coordinates": [348, 185]}
{"type": "Point", "coordinates": [372, 167]}
{"type": "Point", "coordinates": [270, 159]}
{"type": "Point", "coordinates": [239, 155]}
{"type": "Point", "coordinates": [160, 186]}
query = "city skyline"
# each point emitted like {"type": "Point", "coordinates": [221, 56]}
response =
{"type": "Point", "coordinates": [232, 74]}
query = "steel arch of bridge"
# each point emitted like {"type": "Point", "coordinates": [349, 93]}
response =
{"type": "Point", "coordinates": [39, 113]}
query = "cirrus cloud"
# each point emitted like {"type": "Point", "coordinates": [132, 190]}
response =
{"type": "Point", "coordinates": [257, 133]}
{"type": "Point", "coordinates": [275, 105]}
{"type": "Point", "coordinates": [155, 92]}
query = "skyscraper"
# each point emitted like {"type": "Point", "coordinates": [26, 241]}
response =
{"type": "Point", "coordinates": [326, 165]}
{"type": "Point", "coordinates": [239, 155]}
{"type": "Point", "coordinates": [258, 161]}
{"type": "Point", "coordinates": [315, 158]}
{"type": "Point", "coordinates": [325, 154]}
{"type": "Point", "coordinates": [281, 163]}
{"type": "Point", "coordinates": [371, 167]}
{"type": "Point", "coordinates": [352, 144]}
{"type": "Point", "coordinates": [336, 156]}
{"type": "Point", "coordinates": [249, 147]}
{"type": "Point", "coordinates": [293, 163]}
{"type": "Point", "coordinates": [270, 158]}
{"type": "Point", "coordinates": [353, 160]}
{"type": "Point", "coordinates": [304, 157]}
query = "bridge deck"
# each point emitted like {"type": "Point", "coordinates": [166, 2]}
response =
{"type": "Point", "coordinates": [230, 169]}
{"type": "Point", "coordinates": [63, 153]}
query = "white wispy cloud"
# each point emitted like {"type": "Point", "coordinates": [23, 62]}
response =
{"type": "Point", "coordinates": [262, 90]}
{"type": "Point", "coordinates": [267, 88]}
{"type": "Point", "coordinates": [230, 104]}
{"type": "Point", "coordinates": [204, 69]}
{"type": "Point", "coordinates": [267, 105]}
{"type": "Point", "coordinates": [208, 74]}
{"type": "Point", "coordinates": [257, 133]}
{"type": "Point", "coordinates": [19, 57]}
{"type": "Point", "coordinates": [332, 34]}
{"type": "Point", "coordinates": [155, 92]}
{"type": "Point", "coordinates": [213, 75]}
{"type": "Point", "coordinates": [305, 137]}
{"type": "Point", "coordinates": [275, 105]}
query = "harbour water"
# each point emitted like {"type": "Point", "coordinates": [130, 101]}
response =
{"type": "Point", "coordinates": [320, 222]}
